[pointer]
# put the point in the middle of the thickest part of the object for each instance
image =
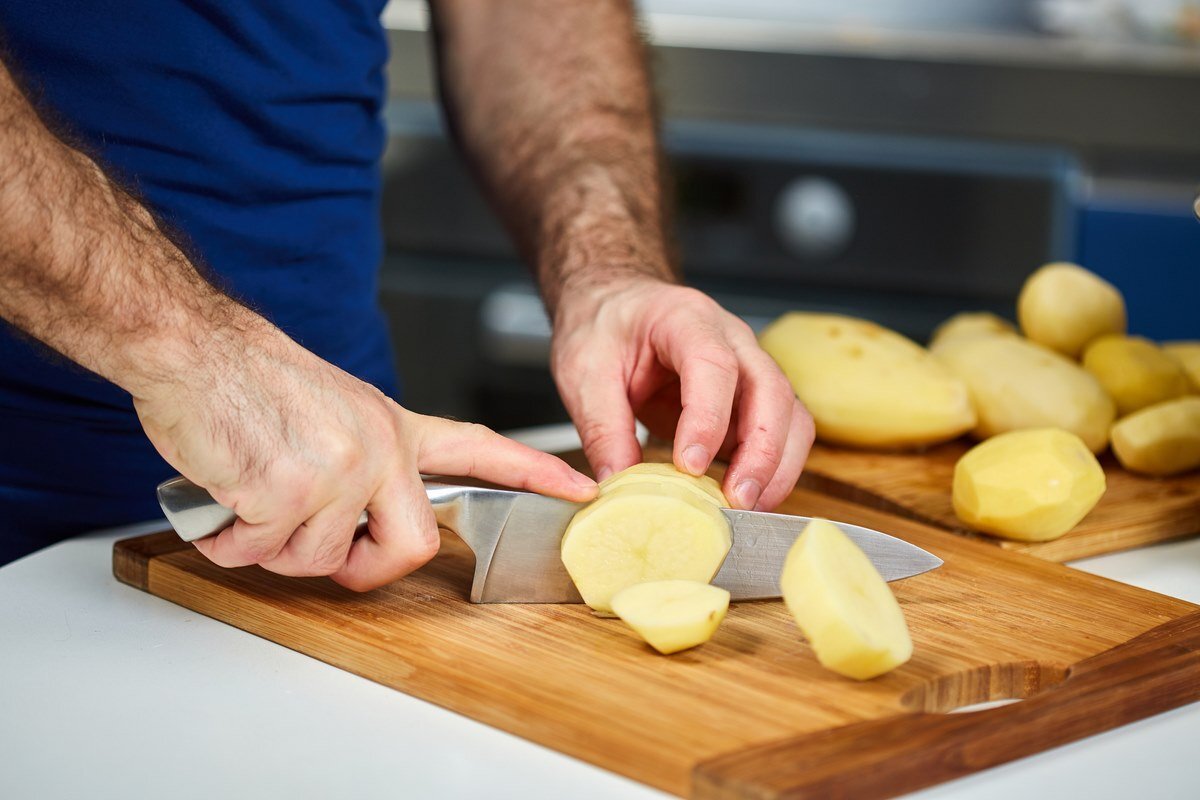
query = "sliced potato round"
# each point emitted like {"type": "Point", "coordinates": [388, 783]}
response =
{"type": "Point", "coordinates": [842, 604]}
{"type": "Point", "coordinates": [1064, 306]}
{"type": "Point", "coordinates": [1134, 372]}
{"type": "Point", "coordinates": [640, 533]}
{"type": "Point", "coordinates": [651, 472]}
{"type": "Point", "coordinates": [866, 385]}
{"type": "Point", "coordinates": [1161, 440]}
{"type": "Point", "coordinates": [1031, 485]}
{"type": "Point", "coordinates": [970, 324]}
{"type": "Point", "coordinates": [672, 615]}
{"type": "Point", "coordinates": [1017, 384]}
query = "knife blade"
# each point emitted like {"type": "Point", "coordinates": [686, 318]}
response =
{"type": "Point", "coordinates": [516, 538]}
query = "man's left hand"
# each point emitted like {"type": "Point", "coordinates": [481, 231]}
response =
{"type": "Point", "coordinates": [672, 357]}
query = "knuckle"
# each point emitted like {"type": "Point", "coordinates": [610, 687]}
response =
{"type": "Point", "coordinates": [718, 357]}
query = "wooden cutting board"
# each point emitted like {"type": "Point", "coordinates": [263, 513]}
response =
{"type": "Point", "coordinates": [1134, 511]}
{"type": "Point", "coordinates": [751, 714]}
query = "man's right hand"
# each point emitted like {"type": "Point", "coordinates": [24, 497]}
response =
{"type": "Point", "coordinates": [298, 448]}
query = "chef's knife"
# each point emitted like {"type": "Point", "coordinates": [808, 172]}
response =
{"type": "Point", "coordinates": [516, 538]}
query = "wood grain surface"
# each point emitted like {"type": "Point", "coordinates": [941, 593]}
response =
{"type": "Point", "coordinates": [1135, 510]}
{"type": "Point", "coordinates": [751, 714]}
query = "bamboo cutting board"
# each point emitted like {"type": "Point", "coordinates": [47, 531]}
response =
{"type": "Point", "coordinates": [751, 714]}
{"type": "Point", "coordinates": [1134, 511]}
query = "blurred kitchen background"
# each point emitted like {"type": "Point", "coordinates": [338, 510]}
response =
{"type": "Point", "coordinates": [894, 159]}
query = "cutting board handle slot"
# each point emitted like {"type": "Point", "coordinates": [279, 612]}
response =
{"type": "Point", "coordinates": [988, 683]}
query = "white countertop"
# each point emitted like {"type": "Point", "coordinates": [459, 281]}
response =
{"type": "Point", "coordinates": [106, 691]}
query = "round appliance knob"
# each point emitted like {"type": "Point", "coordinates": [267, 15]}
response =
{"type": "Point", "coordinates": [814, 218]}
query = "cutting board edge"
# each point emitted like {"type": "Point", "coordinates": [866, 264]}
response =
{"type": "Point", "coordinates": [132, 556]}
{"type": "Point", "coordinates": [1154, 672]}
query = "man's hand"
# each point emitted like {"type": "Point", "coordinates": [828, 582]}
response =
{"type": "Point", "coordinates": [298, 448]}
{"type": "Point", "coordinates": [294, 445]}
{"type": "Point", "coordinates": [551, 100]}
{"type": "Point", "coordinates": [686, 368]}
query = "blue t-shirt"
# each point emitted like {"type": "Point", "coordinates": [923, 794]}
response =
{"type": "Point", "coordinates": [252, 128]}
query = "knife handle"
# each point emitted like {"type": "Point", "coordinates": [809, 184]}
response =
{"type": "Point", "coordinates": [194, 514]}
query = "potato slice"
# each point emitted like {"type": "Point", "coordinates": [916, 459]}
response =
{"type": "Point", "coordinates": [1161, 440]}
{"type": "Point", "coordinates": [842, 604]}
{"type": "Point", "coordinates": [651, 473]}
{"type": "Point", "coordinates": [972, 323]}
{"type": "Point", "coordinates": [1017, 384]}
{"type": "Point", "coordinates": [866, 385]}
{"type": "Point", "coordinates": [640, 533]}
{"type": "Point", "coordinates": [1032, 485]}
{"type": "Point", "coordinates": [672, 615]}
{"type": "Point", "coordinates": [1134, 372]}
{"type": "Point", "coordinates": [1064, 306]}
{"type": "Point", "coordinates": [1186, 355]}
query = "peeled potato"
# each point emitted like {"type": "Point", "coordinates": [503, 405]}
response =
{"type": "Point", "coordinates": [1186, 355]}
{"type": "Point", "coordinates": [1161, 440]}
{"type": "Point", "coordinates": [1063, 306]}
{"type": "Point", "coordinates": [1134, 372]}
{"type": "Point", "coordinates": [672, 615]}
{"type": "Point", "coordinates": [1017, 384]}
{"type": "Point", "coordinates": [842, 604]}
{"type": "Point", "coordinates": [1032, 486]}
{"type": "Point", "coordinates": [866, 385]}
{"type": "Point", "coordinates": [971, 323]}
{"type": "Point", "coordinates": [656, 473]}
{"type": "Point", "coordinates": [643, 532]}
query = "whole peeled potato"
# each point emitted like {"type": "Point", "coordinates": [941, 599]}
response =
{"type": "Point", "coordinates": [1161, 440]}
{"type": "Point", "coordinates": [1134, 371]}
{"type": "Point", "coordinates": [1063, 306]}
{"type": "Point", "coordinates": [1017, 384]}
{"type": "Point", "coordinates": [1031, 485]}
{"type": "Point", "coordinates": [971, 323]}
{"type": "Point", "coordinates": [865, 385]}
{"type": "Point", "coordinates": [1187, 355]}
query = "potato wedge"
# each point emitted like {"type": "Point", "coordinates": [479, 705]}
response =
{"type": "Point", "coordinates": [1031, 485]}
{"type": "Point", "coordinates": [972, 323]}
{"type": "Point", "coordinates": [1134, 372]}
{"type": "Point", "coordinates": [1064, 306]}
{"type": "Point", "coordinates": [842, 604]}
{"type": "Point", "coordinates": [672, 615]}
{"type": "Point", "coordinates": [1017, 384]}
{"type": "Point", "coordinates": [643, 532]}
{"type": "Point", "coordinates": [1161, 440]}
{"type": "Point", "coordinates": [866, 385]}
{"type": "Point", "coordinates": [1186, 355]}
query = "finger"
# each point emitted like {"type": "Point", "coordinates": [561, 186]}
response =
{"type": "Point", "coordinates": [764, 416]}
{"type": "Point", "coordinates": [795, 453]}
{"type": "Point", "coordinates": [455, 448]}
{"type": "Point", "coordinates": [244, 543]}
{"type": "Point", "coordinates": [320, 545]}
{"type": "Point", "coordinates": [599, 407]}
{"type": "Point", "coordinates": [708, 376]}
{"type": "Point", "coordinates": [402, 535]}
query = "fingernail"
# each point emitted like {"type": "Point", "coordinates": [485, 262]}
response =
{"type": "Point", "coordinates": [581, 480]}
{"type": "Point", "coordinates": [695, 459]}
{"type": "Point", "coordinates": [603, 473]}
{"type": "Point", "coordinates": [747, 494]}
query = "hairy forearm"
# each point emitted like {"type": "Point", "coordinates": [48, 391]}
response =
{"type": "Point", "coordinates": [551, 101]}
{"type": "Point", "coordinates": [85, 269]}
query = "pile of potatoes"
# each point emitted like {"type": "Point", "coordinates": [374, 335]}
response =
{"type": "Point", "coordinates": [1043, 400]}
